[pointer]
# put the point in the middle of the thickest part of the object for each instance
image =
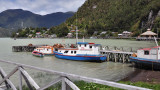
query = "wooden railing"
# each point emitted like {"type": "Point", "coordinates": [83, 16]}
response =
{"type": "Point", "coordinates": [67, 84]}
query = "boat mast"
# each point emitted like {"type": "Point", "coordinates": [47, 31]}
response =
{"type": "Point", "coordinates": [76, 34]}
{"type": "Point", "coordinates": [155, 40]}
{"type": "Point", "coordinates": [76, 30]}
{"type": "Point", "coordinates": [83, 35]}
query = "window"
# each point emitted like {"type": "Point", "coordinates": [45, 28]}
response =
{"type": "Point", "coordinates": [47, 49]}
{"type": "Point", "coordinates": [59, 51]}
{"type": "Point", "coordinates": [66, 52]}
{"type": "Point", "coordinates": [85, 45]}
{"type": "Point", "coordinates": [90, 46]}
{"type": "Point", "coordinates": [56, 49]}
{"type": "Point", "coordinates": [80, 45]}
{"type": "Point", "coordinates": [75, 52]}
{"type": "Point", "coordinates": [146, 52]}
{"type": "Point", "coordinates": [71, 52]}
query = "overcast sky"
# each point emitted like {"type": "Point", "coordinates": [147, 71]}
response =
{"type": "Point", "coordinates": [42, 7]}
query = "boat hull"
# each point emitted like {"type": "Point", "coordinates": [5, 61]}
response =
{"type": "Point", "coordinates": [141, 62]}
{"type": "Point", "coordinates": [82, 57]}
{"type": "Point", "coordinates": [38, 54]}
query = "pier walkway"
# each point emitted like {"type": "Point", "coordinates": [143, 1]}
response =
{"type": "Point", "coordinates": [64, 78]}
{"type": "Point", "coordinates": [117, 56]}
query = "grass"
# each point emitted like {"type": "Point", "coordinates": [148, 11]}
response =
{"type": "Point", "coordinates": [92, 86]}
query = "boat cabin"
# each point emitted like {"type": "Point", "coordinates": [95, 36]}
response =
{"type": "Point", "coordinates": [83, 48]}
{"type": "Point", "coordinates": [88, 48]}
{"type": "Point", "coordinates": [45, 49]}
{"type": "Point", "coordinates": [149, 53]}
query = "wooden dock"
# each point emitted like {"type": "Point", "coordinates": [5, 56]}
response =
{"type": "Point", "coordinates": [117, 56]}
{"type": "Point", "coordinates": [25, 48]}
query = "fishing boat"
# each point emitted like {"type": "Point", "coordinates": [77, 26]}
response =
{"type": "Point", "coordinates": [147, 56]}
{"type": "Point", "coordinates": [46, 50]}
{"type": "Point", "coordinates": [36, 53]}
{"type": "Point", "coordinates": [84, 52]}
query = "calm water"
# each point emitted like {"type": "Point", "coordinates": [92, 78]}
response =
{"type": "Point", "coordinates": [106, 70]}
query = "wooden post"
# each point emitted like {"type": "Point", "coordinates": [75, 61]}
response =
{"type": "Point", "coordinates": [28, 78]}
{"type": "Point", "coordinates": [123, 58]}
{"type": "Point", "coordinates": [107, 56]}
{"type": "Point", "coordinates": [115, 57]}
{"type": "Point", "coordinates": [63, 84]}
{"type": "Point", "coordinates": [20, 79]}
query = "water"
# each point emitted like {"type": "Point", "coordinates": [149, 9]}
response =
{"type": "Point", "coordinates": [106, 70]}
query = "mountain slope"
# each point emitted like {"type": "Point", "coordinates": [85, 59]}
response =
{"type": "Point", "coordinates": [13, 18]}
{"type": "Point", "coordinates": [116, 15]}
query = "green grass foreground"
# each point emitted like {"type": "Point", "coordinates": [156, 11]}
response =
{"type": "Point", "coordinates": [92, 86]}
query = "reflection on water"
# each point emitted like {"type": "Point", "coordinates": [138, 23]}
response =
{"type": "Point", "coordinates": [106, 70]}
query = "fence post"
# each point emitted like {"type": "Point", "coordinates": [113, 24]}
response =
{"type": "Point", "coordinates": [20, 78]}
{"type": "Point", "coordinates": [63, 84]}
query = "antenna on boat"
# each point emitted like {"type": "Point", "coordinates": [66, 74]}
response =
{"type": "Point", "coordinates": [83, 35]}
{"type": "Point", "coordinates": [76, 30]}
{"type": "Point", "coordinates": [155, 40]}
{"type": "Point", "coordinates": [76, 34]}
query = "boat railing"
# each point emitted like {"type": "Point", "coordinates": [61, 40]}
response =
{"type": "Point", "coordinates": [64, 78]}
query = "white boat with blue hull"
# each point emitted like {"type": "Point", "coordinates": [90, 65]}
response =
{"type": "Point", "coordinates": [84, 52]}
{"type": "Point", "coordinates": [148, 57]}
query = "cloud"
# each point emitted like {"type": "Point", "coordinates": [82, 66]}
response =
{"type": "Point", "coordinates": [42, 6]}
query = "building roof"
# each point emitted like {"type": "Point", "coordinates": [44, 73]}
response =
{"type": "Point", "coordinates": [156, 47]}
{"type": "Point", "coordinates": [148, 32]}
{"type": "Point", "coordinates": [145, 49]}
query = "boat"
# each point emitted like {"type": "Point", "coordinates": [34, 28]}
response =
{"type": "Point", "coordinates": [36, 53]}
{"type": "Point", "coordinates": [46, 50]}
{"type": "Point", "coordinates": [84, 52]}
{"type": "Point", "coordinates": [148, 57]}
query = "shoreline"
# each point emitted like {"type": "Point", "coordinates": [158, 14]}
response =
{"type": "Point", "coordinates": [142, 75]}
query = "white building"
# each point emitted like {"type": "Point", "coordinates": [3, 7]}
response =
{"type": "Point", "coordinates": [53, 36]}
{"type": "Point", "coordinates": [104, 32]}
{"type": "Point", "coordinates": [125, 34]}
{"type": "Point", "coordinates": [38, 34]}
{"type": "Point", "coordinates": [70, 35]}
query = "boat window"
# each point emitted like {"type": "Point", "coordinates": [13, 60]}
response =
{"type": "Point", "coordinates": [85, 45]}
{"type": "Point", "coordinates": [59, 51]}
{"type": "Point", "coordinates": [47, 49]}
{"type": "Point", "coordinates": [80, 45]}
{"type": "Point", "coordinates": [146, 52]}
{"type": "Point", "coordinates": [90, 46]}
{"type": "Point", "coordinates": [66, 52]}
{"type": "Point", "coordinates": [74, 52]}
{"type": "Point", "coordinates": [56, 49]}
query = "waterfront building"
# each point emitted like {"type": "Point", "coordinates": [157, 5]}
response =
{"type": "Point", "coordinates": [148, 35]}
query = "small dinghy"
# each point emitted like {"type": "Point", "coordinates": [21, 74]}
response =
{"type": "Point", "coordinates": [38, 54]}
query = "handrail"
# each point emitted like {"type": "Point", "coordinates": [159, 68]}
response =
{"type": "Point", "coordinates": [65, 77]}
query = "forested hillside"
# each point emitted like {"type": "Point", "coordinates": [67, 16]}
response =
{"type": "Point", "coordinates": [12, 20]}
{"type": "Point", "coordinates": [115, 16]}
